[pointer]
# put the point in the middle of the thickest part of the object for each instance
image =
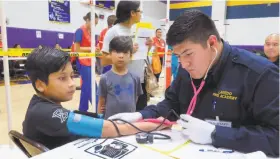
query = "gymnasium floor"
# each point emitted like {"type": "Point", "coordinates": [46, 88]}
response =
{"type": "Point", "coordinates": [20, 97]}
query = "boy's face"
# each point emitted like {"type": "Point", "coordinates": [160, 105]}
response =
{"type": "Point", "coordinates": [120, 59]}
{"type": "Point", "coordinates": [60, 87]}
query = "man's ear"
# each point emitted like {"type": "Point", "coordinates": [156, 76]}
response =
{"type": "Point", "coordinates": [40, 85]}
{"type": "Point", "coordinates": [212, 40]}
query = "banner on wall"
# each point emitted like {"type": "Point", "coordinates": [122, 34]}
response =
{"type": "Point", "coordinates": [59, 11]}
{"type": "Point", "coordinates": [106, 4]}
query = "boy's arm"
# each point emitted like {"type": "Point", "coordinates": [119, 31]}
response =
{"type": "Point", "coordinates": [56, 121]}
{"type": "Point", "coordinates": [100, 128]}
{"type": "Point", "coordinates": [125, 129]}
{"type": "Point", "coordinates": [101, 105]}
{"type": "Point", "coordinates": [138, 90]}
{"type": "Point", "coordinates": [102, 93]}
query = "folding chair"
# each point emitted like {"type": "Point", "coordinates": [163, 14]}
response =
{"type": "Point", "coordinates": [28, 147]}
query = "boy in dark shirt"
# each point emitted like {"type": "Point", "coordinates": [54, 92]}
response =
{"type": "Point", "coordinates": [46, 121]}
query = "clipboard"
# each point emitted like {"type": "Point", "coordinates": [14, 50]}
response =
{"type": "Point", "coordinates": [143, 31]}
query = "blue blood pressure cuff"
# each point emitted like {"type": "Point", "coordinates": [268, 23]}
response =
{"type": "Point", "coordinates": [90, 114]}
{"type": "Point", "coordinates": [83, 125]}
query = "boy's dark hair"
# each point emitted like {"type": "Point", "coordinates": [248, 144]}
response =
{"type": "Point", "coordinates": [193, 25]}
{"type": "Point", "coordinates": [111, 20]}
{"type": "Point", "coordinates": [124, 9]}
{"type": "Point", "coordinates": [88, 16]}
{"type": "Point", "coordinates": [121, 44]}
{"type": "Point", "coordinates": [42, 62]}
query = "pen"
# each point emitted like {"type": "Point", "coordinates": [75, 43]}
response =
{"type": "Point", "coordinates": [221, 151]}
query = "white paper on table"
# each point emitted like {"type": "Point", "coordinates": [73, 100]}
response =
{"type": "Point", "coordinates": [177, 140]}
{"type": "Point", "coordinates": [192, 152]}
{"type": "Point", "coordinates": [86, 149]}
{"type": "Point", "coordinates": [117, 148]}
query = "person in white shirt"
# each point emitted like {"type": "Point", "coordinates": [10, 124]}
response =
{"type": "Point", "coordinates": [128, 13]}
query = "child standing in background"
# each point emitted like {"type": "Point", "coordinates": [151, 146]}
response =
{"type": "Point", "coordinates": [119, 88]}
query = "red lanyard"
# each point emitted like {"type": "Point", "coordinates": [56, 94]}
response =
{"type": "Point", "coordinates": [194, 98]}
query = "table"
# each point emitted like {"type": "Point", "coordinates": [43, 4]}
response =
{"type": "Point", "coordinates": [127, 148]}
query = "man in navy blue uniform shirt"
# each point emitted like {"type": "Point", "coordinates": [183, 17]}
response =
{"type": "Point", "coordinates": [227, 97]}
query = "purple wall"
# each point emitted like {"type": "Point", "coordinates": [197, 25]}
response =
{"type": "Point", "coordinates": [27, 38]}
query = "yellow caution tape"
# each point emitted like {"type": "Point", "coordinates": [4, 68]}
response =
{"type": "Point", "coordinates": [15, 52]}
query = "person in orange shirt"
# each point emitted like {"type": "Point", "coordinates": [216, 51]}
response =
{"type": "Point", "coordinates": [159, 44]}
{"type": "Point", "coordinates": [82, 43]}
{"type": "Point", "coordinates": [110, 21]}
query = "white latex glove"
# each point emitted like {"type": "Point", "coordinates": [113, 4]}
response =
{"type": "Point", "coordinates": [199, 131]}
{"type": "Point", "coordinates": [129, 117]}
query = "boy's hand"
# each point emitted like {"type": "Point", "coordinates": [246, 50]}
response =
{"type": "Point", "coordinates": [129, 117]}
{"type": "Point", "coordinates": [103, 109]}
{"type": "Point", "coordinates": [160, 118]}
{"type": "Point", "coordinates": [155, 125]}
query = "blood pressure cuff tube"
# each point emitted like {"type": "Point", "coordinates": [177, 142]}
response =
{"type": "Point", "coordinates": [84, 125]}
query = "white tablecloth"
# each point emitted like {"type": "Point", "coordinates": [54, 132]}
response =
{"type": "Point", "coordinates": [178, 147]}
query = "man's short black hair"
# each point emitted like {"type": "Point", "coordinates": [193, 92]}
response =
{"type": "Point", "coordinates": [111, 20]}
{"type": "Point", "coordinates": [88, 16]}
{"type": "Point", "coordinates": [121, 44]}
{"type": "Point", "coordinates": [158, 29]}
{"type": "Point", "coordinates": [42, 62]}
{"type": "Point", "coordinates": [194, 26]}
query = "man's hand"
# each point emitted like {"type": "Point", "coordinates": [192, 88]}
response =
{"type": "Point", "coordinates": [129, 117]}
{"type": "Point", "coordinates": [135, 47]}
{"type": "Point", "coordinates": [198, 130]}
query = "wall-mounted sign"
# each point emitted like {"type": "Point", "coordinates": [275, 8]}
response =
{"type": "Point", "coordinates": [59, 11]}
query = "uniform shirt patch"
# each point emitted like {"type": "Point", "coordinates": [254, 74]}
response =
{"type": "Point", "coordinates": [225, 95]}
{"type": "Point", "coordinates": [61, 115]}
